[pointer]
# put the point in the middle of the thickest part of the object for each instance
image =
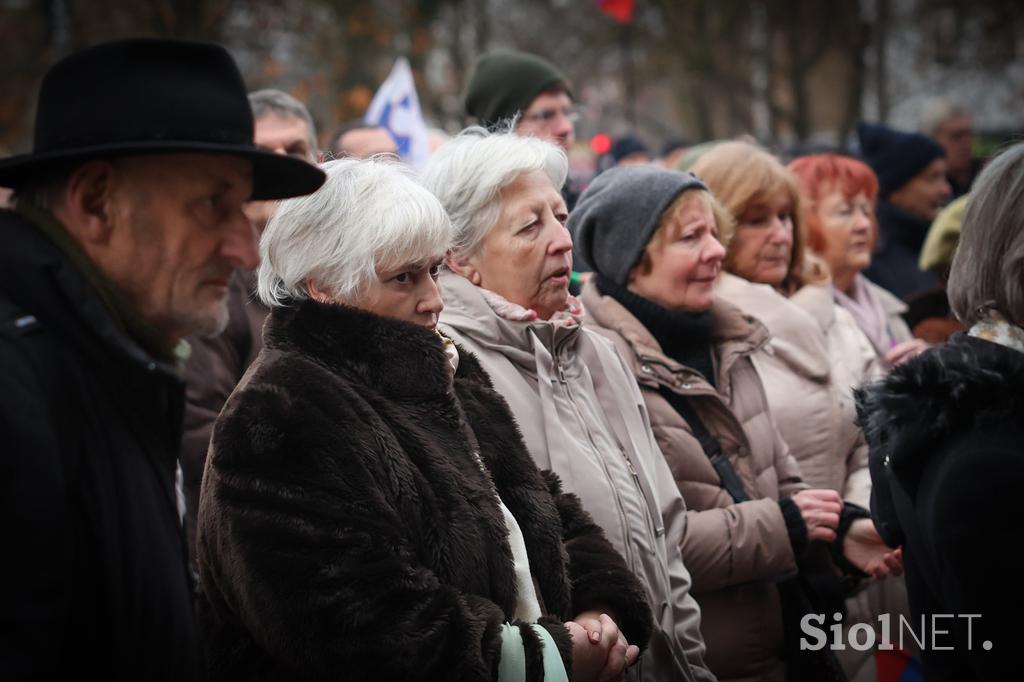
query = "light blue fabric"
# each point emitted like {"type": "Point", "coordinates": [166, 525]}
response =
{"type": "Point", "coordinates": [512, 666]}
{"type": "Point", "coordinates": [554, 669]}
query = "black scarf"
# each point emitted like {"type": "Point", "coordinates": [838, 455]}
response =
{"type": "Point", "coordinates": [683, 336]}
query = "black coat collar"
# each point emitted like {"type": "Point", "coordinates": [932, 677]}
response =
{"type": "Point", "coordinates": [898, 226]}
{"type": "Point", "coordinates": [396, 358]}
{"type": "Point", "coordinates": [948, 390]}
{"type": "Point", "coordinates": [42, 281]}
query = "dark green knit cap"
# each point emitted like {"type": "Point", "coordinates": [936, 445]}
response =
{"type": "Point", "coordinates": [504, 82]}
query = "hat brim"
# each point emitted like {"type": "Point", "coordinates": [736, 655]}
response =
{"type": "Point", "coordinates": [274, 176]}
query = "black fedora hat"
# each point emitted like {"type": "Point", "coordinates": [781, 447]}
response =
{"type": "Point", "coordinates": [150, 95]}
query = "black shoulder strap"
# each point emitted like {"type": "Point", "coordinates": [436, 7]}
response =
{"type": "Point", "coordinates": [727, 475]}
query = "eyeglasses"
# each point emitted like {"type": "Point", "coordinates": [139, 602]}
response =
{"type": "Point", "coordinates": [548, 116]}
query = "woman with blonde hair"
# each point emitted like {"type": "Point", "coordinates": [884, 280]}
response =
{"type": "Point", "coordinates": [817, 354]}
{"type": "Point", "coordinates": [655, 240]}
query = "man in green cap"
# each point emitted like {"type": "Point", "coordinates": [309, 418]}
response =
{"type": "Point", "coordinates": [507, 83]}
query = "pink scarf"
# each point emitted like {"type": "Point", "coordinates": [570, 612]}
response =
{"type": "Point", "coordinates": [569, 316]}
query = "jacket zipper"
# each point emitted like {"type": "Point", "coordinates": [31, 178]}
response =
{"type": "Point", "coordinates": [627, 531]}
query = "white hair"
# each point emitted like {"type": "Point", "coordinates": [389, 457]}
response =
{"type": "Point", "coordinates": [470, 170]}
{"type": "Point", "coordinates": [369, 216]}
{"type": "Point", "coordinates": [937, 112]}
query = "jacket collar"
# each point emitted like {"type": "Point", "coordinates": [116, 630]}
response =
{"type": "Point", "coordinates": [897, 226]}
{"type": "Point", "coordinates": [890, 303]}
{"type": "Point", "coordinates": [939, 393]}
{"type": "Point", "coordinates": [467, 311]}
{"type": "Point", "coordinates": [797, 337]}
{"type": "Point", "coordinates": [395, 358]}
{"type": "Point", "coordinates": [41, 279]}
{"type": "Point", "coordinates": [733, 335]}
{"type": "Point", "coordinates": [818, 300]}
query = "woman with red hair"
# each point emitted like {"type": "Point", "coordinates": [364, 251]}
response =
{"type": "Point", "coordinates": [839, 194]}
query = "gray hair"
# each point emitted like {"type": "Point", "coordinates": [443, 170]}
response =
{"type": "Point", "coordinates": [469, 171]}
{"type": "Point", "coordinates": [269, 101]}
{"type": "Point", "coordinates": [988, 268]}
{"type": "Point", "coordinates": [369, 216]}
{"type": "Point", "coordinates": [936, 112]}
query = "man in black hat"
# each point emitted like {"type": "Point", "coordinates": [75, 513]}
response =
{"type": "Point", "coordinates": [127, 226]}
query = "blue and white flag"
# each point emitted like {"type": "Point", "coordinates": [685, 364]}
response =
{"type": "Point", "coordinates": [397, 108]}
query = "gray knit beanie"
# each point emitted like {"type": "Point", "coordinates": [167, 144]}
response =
{"type": "Point", "coordinates": [618, 214]}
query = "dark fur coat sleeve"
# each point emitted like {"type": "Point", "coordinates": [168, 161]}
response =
{"type": "Point", "coordinates": [307, 568]}
{"type": "Point", "coordinates": [600, 577]}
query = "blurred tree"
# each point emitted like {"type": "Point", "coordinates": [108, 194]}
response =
{"type": "Point", "coordinates": [37, 33]}
{"type": "Point", "coordinates": [782, 69]}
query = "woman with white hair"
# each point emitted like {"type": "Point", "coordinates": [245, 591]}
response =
{"type": "Point", "coordinates": [369, 510]}
{"type": "Point", "coordinates": [507, 300]}
{"type": "Point", "coordinates": [945, 431]}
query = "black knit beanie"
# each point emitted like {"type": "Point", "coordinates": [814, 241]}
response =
{"type": "Point", "coordinates": [617, 215]}
{"type": "Point", "coordinates": [504, 82]}
{"type": "Point", "coordinates": [896, 157]}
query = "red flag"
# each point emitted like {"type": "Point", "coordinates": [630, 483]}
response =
{"type": "Point", "coordinates": [619, 10]}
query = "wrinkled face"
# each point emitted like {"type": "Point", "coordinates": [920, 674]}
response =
{"type": "Point", "coordinates": [957, 136]}
{"type": "Point", "coordinates": [287, 135]}
{"type": "Point", "coordinates": [550, 117]}
{"type": "Point", "coordinates": [925, 193]}
{"type": "Point", "coordinates": [763, 244]}
{"type": "Point", "coordinates": [846, 227]}
{"type": "Point", "coordinates": [407, 292]}
{"type": "Point", "coordinates": [365, 142]}
{"type": "Point", "coordinates": [178, 232]}
{"type": "Point", "coordinates": [527, 256]}
{"type": "Point", "coordinates": [683, 271]}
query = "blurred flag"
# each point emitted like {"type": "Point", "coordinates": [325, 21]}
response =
{"type": "Point", "coordinates": [619, 10]}
{"type": "Point", "coordinates": [397, 108]}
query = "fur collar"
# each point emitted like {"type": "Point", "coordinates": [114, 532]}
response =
{"type": "Point", "coordinates": [964, 385]}
{"type": "Point", "coordinates": [397, 358]}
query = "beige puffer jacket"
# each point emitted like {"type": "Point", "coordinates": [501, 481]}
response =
{"type": "Point", "coordinates": [816, 357]}
{"type": "Point", "coordinates": [582, 416]}
{"type": "Point", "coordinates": [734, 552]}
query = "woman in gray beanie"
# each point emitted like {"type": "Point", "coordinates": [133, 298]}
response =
{"type": "Point", "coordinates": [655, 240]}
{"type": "Point", "coordinates": [507, 301]}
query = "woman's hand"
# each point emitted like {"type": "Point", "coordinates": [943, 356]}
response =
{"type": "Point", "coordinates": [863, 548]}
{"type": "Point", "coordinates": [599, 651]}
{"type": "Point", "coordinates": [902, 352]}
{"type": "Point", "coordinates": [820, 510]}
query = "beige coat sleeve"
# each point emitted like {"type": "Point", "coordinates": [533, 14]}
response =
{"type": "Point", "coordinates": [736, 544]}
{"type": "Point", "coordinates": [725, 543]}
{"type": "Point", "coordinates": [787, 469]}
